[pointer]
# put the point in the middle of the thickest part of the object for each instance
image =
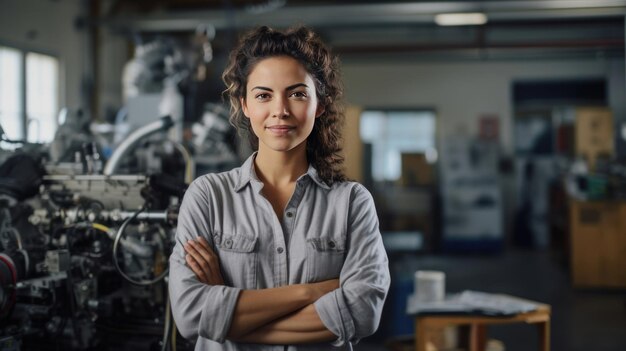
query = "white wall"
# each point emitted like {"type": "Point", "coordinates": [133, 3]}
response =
{"type": "Point", "coordinates": [48, 27]}
{"type": "Point", "coordinates": [462, 92]}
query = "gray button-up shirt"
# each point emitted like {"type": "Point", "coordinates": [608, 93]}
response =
{"type": "Point", "coordinates": [326, 232]}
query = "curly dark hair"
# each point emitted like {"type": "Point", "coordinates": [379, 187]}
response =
{"type": "Point", "coordinates": [324, 143]}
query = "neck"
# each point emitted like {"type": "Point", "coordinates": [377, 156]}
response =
{"type": "Point", "coordinates": [280, 168]}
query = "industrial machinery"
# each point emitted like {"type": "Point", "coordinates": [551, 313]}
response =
{"type": "Point", "coordinates": [83, 257]}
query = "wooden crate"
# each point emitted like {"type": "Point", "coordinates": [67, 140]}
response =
{"type": "Point", "coordinates": [598, 244]}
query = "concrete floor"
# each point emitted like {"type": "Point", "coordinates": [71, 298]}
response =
{"type": "Point", "coordinates": [581, 320]}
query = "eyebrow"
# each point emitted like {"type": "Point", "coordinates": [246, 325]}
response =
{"type": "Point", "coordinates": [291, 87]}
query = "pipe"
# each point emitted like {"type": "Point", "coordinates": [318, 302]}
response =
{"type": "Point", "coordinates": [164, 123]}
{"type": "Point", "coordinates": [190, 173]}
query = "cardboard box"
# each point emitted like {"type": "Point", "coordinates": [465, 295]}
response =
{"type": "Point", "coordinates": [416, 170]}
{"type": "Point", "coordinates": [594, 135]}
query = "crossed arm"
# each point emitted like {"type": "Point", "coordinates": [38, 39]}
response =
{"type": "Point", "coordinates": [283, 315]}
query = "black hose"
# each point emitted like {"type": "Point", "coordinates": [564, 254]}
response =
{"type": "Point", "coordinates": [116, 243]}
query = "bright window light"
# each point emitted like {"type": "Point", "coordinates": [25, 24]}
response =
{"type": "Point", "coordinates": [42, 97]}
{"type": "Point", "coordinates": [392, 133]}
{"type": "Point", "coordinates": [461, 19]}
{"type": "Point", "coordinates": [11, 97]}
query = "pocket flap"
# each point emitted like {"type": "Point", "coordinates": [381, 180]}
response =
{"type": "Point", "coordinates": [327, 244]}
{"type": "Point", "coordinates": [237, 243]}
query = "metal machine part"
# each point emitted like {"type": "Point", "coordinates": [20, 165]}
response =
{"type": "Point", "coordinates": [80, 264]}
{"type": "Point", "coordinates": [151, 128]}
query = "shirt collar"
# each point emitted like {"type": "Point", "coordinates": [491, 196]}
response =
{"type": "Point", "coordinates": [248, 175]}
{"type": "Point", "coordinates": [312, 173]}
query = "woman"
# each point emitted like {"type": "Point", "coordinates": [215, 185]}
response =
{"type": "Point", "coordinates": [283, 250]}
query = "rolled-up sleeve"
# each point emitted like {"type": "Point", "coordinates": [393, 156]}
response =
{"type": "Point", "coordinates": [198, 309]}
{"type": "Point", "coordinates": [353, 311]}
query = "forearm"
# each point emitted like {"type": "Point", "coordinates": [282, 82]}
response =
{"type": "Point", "coordinates": [280, 337]}
{"type": "Point", "coordinates": [304, 320]}
{"type": "Point", "coordinates": [258, 308]}
{"type": "Point", "coordinates": [253, 308]}
{"type": "Point", "coordinates": [301, 327]}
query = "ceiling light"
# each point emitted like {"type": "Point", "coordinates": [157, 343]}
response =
{"type": "Point", "coordinates": [461, 19]}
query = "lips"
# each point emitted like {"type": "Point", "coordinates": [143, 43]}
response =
{"type": "Point", "coordinates": [280, 130]}
{"type": "Point", "coordinates": [280, 127]}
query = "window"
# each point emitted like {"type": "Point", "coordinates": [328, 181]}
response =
{"type": "Point", "coordinates": [29, 95]}
{"type": "Point", "coordinates": [392, 133]}
{"type": "Point", "coordinates": [42, 96]}
{"type": "Point", "coordinates": [11, 108]}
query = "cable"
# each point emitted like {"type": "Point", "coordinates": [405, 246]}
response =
{"type": "Point", "coordinates": [189, 166]}
{"type": "Point", "coordinates": [104, 229]}
{"type": "Point", "coordinates": [172, 321]}
{"type": "Point", "coordinates": [116, 243]}
{"type": "Point", "coordinates": [17, 236]}
{"type": "Point", "coordinates": [101, 227]}
{"type": "Point", "coordinates": [174, 332]}
{"type": "Point", "coordinates": [168, 324]}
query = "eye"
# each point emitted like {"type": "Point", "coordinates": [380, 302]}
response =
{"type": "Point", "coordinates": [299, 94]}
{"type": "Point", "coordinates": [262, 96]}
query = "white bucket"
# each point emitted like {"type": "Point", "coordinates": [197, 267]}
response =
{"type": "Point", "coordinates": [430, 286]}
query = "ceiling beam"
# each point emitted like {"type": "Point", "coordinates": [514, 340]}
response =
{"type": "Point", "coordinates": [367, 14]}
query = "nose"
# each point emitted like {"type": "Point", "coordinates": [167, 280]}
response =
{"type": "Point", "coordinates": [280, 108]}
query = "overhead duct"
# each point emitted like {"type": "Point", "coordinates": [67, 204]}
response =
{"type": "Point", "coordinates": [368, 14]}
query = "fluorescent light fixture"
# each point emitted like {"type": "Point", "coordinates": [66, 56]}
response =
{"type": "Point", "coordinates": [460, 19]}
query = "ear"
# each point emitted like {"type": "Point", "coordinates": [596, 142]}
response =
{"type": "Point", "coordinates": [320, 110]}
{"type": "Point", "coordinates": [244, 107]}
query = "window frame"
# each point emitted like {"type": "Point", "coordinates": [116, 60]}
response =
{"type": "Point", "coordinates": [24, 50]}
{"type": "Point", "coordinates": [409, 109]}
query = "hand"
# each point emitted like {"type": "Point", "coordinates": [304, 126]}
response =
{"type": "Point", "coordinates": [203, 262]}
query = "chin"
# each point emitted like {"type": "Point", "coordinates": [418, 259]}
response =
{"type": "Point", "coordinates": [282, 147]}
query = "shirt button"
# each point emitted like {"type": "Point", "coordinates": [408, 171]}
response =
{"type": "Point", "coordinates": [280, 250]}
{"type": "Point", "coordinates": [228, 243]}
{"type": "Point", "coordinates": [289, 214]}
{"type": "Point", "coordinates": [331, 244]}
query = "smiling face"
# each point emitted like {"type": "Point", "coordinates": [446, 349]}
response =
{"type": "Point", "coordinates": [281, 104]}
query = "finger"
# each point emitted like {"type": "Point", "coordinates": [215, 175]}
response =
{"type": "Point", "coordinates": [202, 241]}
{"type": "Point", "coordinates": [195, 267]}
{"type": "Point", "coordinates": [199, 259]}
{"type": "Point", "coordinates": [208, 259]}
{"type": "Point", "coordinates": [209, 263]}
{"type": "Point", "coordinates": [193, 251]}
{"type": "Point", "coordinates": [208, 255]}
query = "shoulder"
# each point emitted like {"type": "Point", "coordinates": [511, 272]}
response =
{"type": "Point", "coordinates": [354, 191]}
{"type": "Point", "coordinates": [211, 184]}
{"type": "Point", "coordinates": [349, 186]}
{"type": "Point", "coordinates": [212, 180]}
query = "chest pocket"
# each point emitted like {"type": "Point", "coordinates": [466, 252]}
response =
{"type": "Point", "coordinates": [238, 256]}
{"type": "Point", "coordinates": [324, 258]}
